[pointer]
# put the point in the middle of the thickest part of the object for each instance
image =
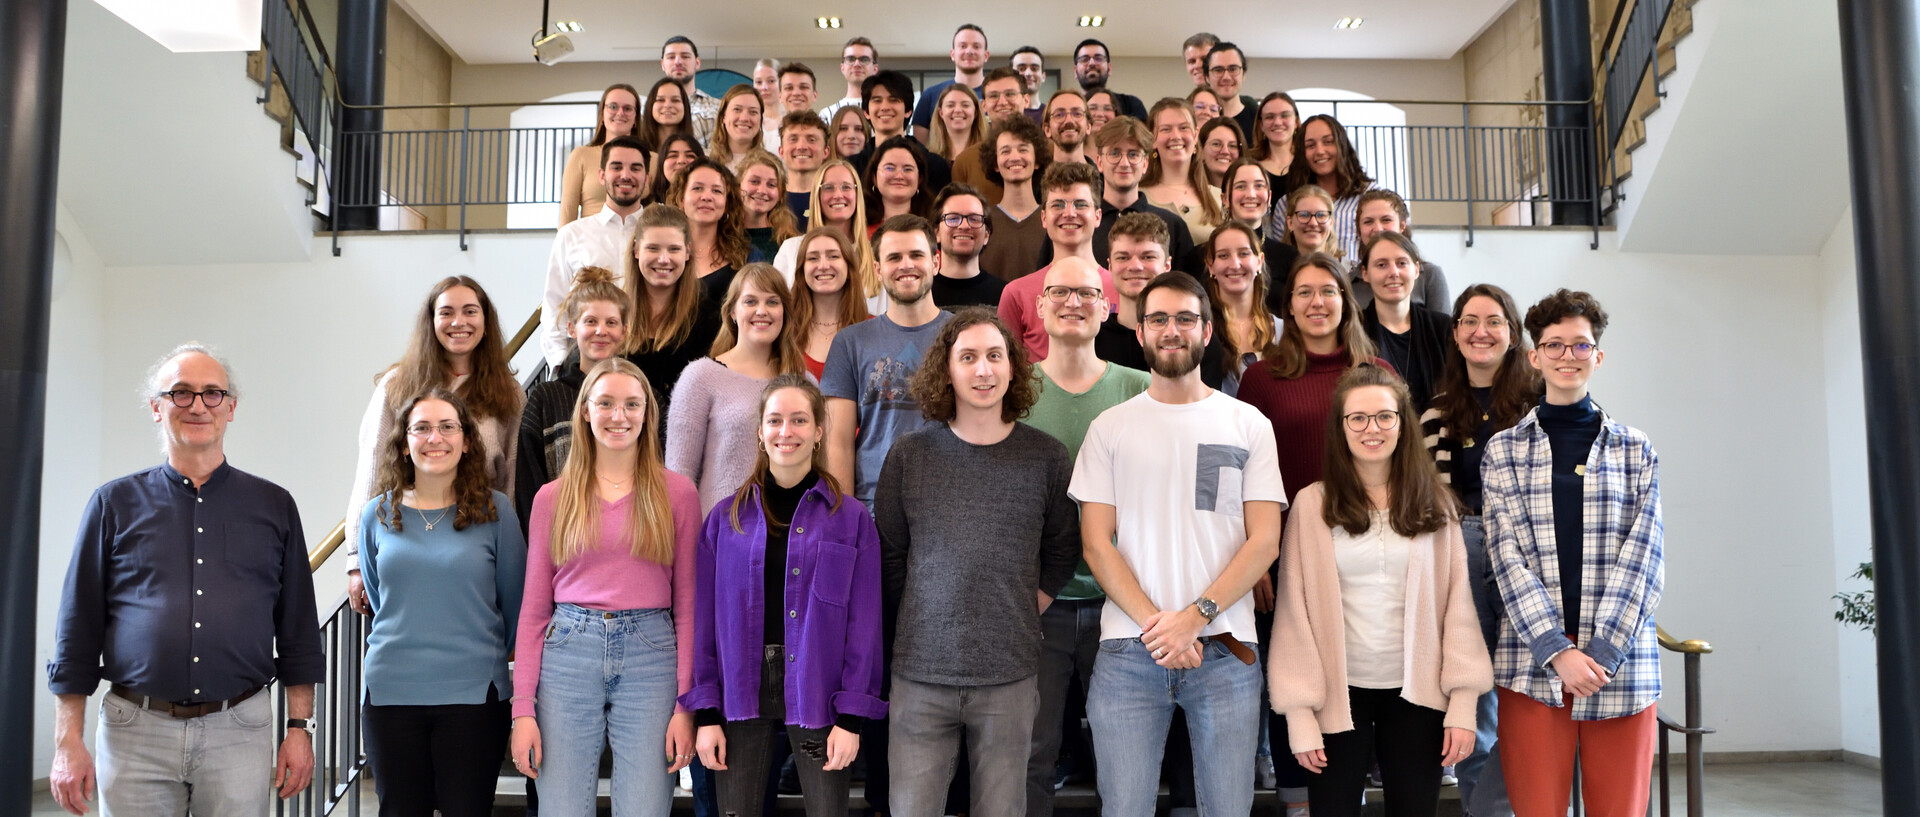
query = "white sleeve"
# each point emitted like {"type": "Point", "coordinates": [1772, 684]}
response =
{"type": "Point", "coordinates": [1262, 474]}
{"type": "Point", "coordinates": [787, 259]}
{"type": "Point", "coordinates": [553, 339]}
{"type": "Point", "coordinates": [1093, 469]}
{"type": "Point", "coordinates": [373, 429]}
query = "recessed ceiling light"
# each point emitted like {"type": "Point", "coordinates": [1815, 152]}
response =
{"type": "Point", "coordinates": [568, 25]}
{"type": "Point", "coordinates": [1349, 22]}
{"type": "Point", "coordinates": [1099, 21]}
{"type": "Point", "coordinates": [827, 22]}
{"type": "Point", "coordinates": [1092, 21]}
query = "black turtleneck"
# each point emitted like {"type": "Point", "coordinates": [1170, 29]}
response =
{"type": "Point", "coordinates": [780, 503]}
{"type": "Point", "coordinates": [1571, 431]}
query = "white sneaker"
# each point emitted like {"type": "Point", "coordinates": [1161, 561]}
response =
{"type": "Point", "coordinates": [1263, 774]}
{"type": "Point", "coordinates": [686, 779]}
{"type": "Point", "coordinates": [1447, 777]}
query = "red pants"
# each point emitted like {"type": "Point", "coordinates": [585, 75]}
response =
{"type": "Point", "coordinates": [1538, 745]}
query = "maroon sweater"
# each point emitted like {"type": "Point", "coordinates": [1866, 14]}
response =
{"type": "Point", "coordinates": [1298, 409]}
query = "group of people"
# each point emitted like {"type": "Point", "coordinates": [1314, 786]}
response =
{"type": "Point", "coordinates": [1108, 425]}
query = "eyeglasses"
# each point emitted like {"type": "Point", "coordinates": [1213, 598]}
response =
{"type": "Point", "coordinates": [183, 398]}
{"type": "Point", "coordinates": [608, 407]}
{"type": "Point", "coordinates": [957, 219]}
{"type": "Point", "coordinates": [1090, 59]}
{"type": "Point", "coordinates": [1068, 113]}
{"type": "Point", "coordinates": [1135, 156]}
{"type": "Point", "coordinates": [613, 108]}
{"type": "Point", "coordinates": [1079, 206]}
{"type": "Point", "coordinates": [857, 60]}
{"type": "Point", "coordinates": [1386, 420]}
{"type": "Point", "coordinates": [1180, 320]}
{"type": "Point", "coordinates": [1554, 350]}
{"type": "Point", "coordinates": [1227, 70]}
{"type": "Point", "coordinates": [447, 429]}
{"type": "Point", "coordinates": [1316, 216]}
{"type": "Point", "coordinates": [1059, 294]}
{"type": "Point", "coordinates": [1473, 324]}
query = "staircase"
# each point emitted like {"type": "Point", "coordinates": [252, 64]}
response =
{"type": "Point", "coordinates": [1647, 100]}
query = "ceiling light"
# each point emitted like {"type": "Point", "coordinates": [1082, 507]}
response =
{"type": "Point", "coordinates": [1092, 21]}
{"type": "Point", "coordinates": [193, 25]}
{"type": "Point", "coordinates": [827, 22]}
{"type": "Point", "coordinates": [1099, 21]}
{"type": "Point", "coordinates": [568, 25]}
{"type": "Point", "coordinates": [1349, 22]}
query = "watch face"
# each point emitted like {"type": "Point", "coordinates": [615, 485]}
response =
{"type": "Point", "coordinates": [1208, 608]}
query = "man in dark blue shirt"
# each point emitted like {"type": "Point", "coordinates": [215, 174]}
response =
{"type": "Point", "coordinates": [190, 580]}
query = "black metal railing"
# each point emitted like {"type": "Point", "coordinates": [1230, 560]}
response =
{"type": "Point", "coordinates": [297, 57]}
{"type": "Point", "coordinates": [460, 166]}
{"type": "Point", "coordinates": [1692, 727]}
{"type": "Point", "coordinates": [1628, 61]}
{"type": "Point", "coordinates": [1522, 169]}
{"type": "Point", "coordinates": [338, 756]}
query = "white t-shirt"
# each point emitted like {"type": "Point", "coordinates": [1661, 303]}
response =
{"type": "Point", "coordinates": [1139, 457]}
{"type": "Point", "coordinates": [1373, 602]}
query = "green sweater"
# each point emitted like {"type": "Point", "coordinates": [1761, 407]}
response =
{"type": "Point", "coordinates": [1065, 416]}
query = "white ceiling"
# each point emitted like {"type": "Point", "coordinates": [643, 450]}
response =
{"type": "Point", "coordinates": [499, 31]}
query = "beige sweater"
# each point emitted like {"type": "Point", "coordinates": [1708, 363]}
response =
{"type": "Point", "coordinates": [1447, 667]}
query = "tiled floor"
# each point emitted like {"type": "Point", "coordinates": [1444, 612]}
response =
{"type": "Point", "coordinates": [1733, 790]}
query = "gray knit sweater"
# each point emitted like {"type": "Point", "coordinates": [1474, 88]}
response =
{"type": "Point", "coordinates": [968, 533]}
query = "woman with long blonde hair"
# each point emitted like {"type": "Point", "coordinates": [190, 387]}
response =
{"type": "Point", "coordinates": [763, 192]}
{"type": "Point", "coordinates": [839, 204]}
{"type": "Point", "coordinates": [737, 133]}
{"type": "Point", "coordinates": [605, 631]}
{"type": "Point", "coordinates": [710, 430]}
{"type": "Point", "coordinates": [959, 124]}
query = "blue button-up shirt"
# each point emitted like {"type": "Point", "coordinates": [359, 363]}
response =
{"type": "Point", "coordinates": [1622, 567]}
{"type": "Point", "coordinates": [187, 595]}
{"type": "Point", "coordinates": [833, 612]}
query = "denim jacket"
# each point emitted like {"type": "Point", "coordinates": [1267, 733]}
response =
{"type": "Point", "coordinates": [833, 595]}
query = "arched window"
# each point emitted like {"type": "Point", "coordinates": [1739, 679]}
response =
{"type": "Point", "coordinates": [1378, 131]}
{"type": "Point", "coordinates": [543, 135]}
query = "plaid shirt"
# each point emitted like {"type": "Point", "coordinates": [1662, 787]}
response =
{"type": "Point", "coordinates": [1622, 570]}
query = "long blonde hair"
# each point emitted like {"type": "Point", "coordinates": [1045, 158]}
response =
{"type": "Point", "coordinates": [720, 143]}
{"type": "Point", "coordinates": [860, 266]}
{"type": "Point", "coordinates": [785, 354]}
{"type": "Point", "coordinates": [940, 144]}
{"type": "Point", "coordinates": [853, 305]}
{"type": "Point", "coordinates": [1196, 169]}
{"type": "Point", "coordinates": [576, 512]}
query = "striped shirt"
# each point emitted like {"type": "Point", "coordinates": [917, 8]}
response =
{"type": "Point", "coordinates": [1622, 568]}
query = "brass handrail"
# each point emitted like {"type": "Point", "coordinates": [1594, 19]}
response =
{"type": "Point", "coordinates": [1671, 644]}
{"type": "Point", "coordinates": [338, 536]}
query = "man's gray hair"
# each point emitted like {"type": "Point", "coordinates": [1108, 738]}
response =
{"type": "Point", "coordinates": [150, 386]}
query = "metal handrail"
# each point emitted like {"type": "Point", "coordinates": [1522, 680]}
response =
{"type": "Point", "coordinates": [1694, 730]}
{"type": "Point", "coordinates": [338, 757]}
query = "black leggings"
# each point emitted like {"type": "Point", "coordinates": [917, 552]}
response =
{"type": "Point", "coordinates": [1405, 736]}
{"type": "Point", "coordinates": [444, 757]}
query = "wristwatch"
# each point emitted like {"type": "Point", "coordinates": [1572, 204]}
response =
{"type": "Point", "coordinates": [1208, 607]}
{"type": "Point", "coordinates": [302, 723]}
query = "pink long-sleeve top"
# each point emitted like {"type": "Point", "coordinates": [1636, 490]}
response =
{"type": "Point", "coordinates": [607, 577]}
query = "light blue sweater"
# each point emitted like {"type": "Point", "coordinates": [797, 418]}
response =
{"type": "Point", "coordinates": [445, 603]}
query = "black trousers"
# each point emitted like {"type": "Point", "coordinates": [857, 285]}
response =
{"type": "Point", "coordinates": [1405, 736]}
{"type": "Point", "coordinates": [742, 787]}
{"type": "Point", "coordinates": [444, 757]}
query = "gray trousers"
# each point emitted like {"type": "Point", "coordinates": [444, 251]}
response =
{"type": "Point", "coordinates": [928, 723]}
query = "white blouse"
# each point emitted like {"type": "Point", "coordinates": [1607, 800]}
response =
{"type": "Point", "coordinates": [1373, 602]}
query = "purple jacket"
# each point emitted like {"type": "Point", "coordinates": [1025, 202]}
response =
{"type": "Point", "coordinates": [833, 582]}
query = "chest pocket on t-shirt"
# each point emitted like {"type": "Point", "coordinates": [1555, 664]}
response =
{"type": "Point", "coordinates": [1219, 471]}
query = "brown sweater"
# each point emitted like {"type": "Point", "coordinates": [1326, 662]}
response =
{"type": "Point", "coordinates": [1447, 667]}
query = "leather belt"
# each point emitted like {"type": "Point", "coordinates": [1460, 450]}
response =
{"type": "Point", "coordinates": [1234, 645]}
{"type": "Point", "coordinates": [182, 711]}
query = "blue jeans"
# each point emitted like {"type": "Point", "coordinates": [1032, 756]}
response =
{"type": "Point", "coordinates": [1483, 790]}
{"type": "Point", "coordinates": [155, 765]}
{"type": "Point", "coordinates": [1130, 705]}
{"type": "Point", "coordinates": [606, 677]}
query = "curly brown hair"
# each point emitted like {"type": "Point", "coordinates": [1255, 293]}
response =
{"type": "Point", "coordinates": [472, 488]}
{"type": "Point", "coordinates": [730, 235]}
{"type": "Point", "coordinates": [932, 385]}
{"type": "Point", "coordinates": [1563, 304]}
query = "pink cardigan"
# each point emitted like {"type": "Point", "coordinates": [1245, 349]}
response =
{"type": "Point", "coordinates": [1447, 667]}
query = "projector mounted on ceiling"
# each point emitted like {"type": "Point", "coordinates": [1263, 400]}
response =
{"type": "Point", "coordinates": [551, 48]}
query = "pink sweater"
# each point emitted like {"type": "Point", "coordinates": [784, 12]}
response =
{"type": "Point", "coordinates": [1446, 658]}
{"type": "Point", "coordinates": [606, 577]}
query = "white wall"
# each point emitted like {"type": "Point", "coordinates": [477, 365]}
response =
{"type": "Point", "coordinates": [1717, 358]}
{"type": "Point", "coordinates": [1847, 480]}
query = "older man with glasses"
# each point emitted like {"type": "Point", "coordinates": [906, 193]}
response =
{"type": "Point", "coordinates": [190, 580]}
